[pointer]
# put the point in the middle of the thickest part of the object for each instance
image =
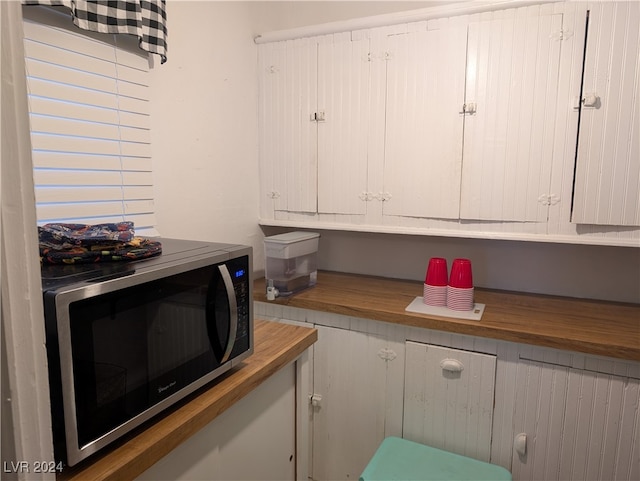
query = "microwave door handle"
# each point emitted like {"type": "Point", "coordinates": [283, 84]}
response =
{"type": "Point", "coordinates": [233, 311]}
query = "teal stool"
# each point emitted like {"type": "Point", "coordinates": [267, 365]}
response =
{"type": "Point", "coordinates": [399, 459]}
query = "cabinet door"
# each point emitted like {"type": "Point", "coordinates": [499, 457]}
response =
{"type": "Point", "coordinates": [359, 381]}
{"type": "Point", "coordinates": [288, 136]}
{"type": "Point", "coordinates": [607, 178]}
{"type": "Point", "coordinates": [512, 79]}
{"type": "Point", "coordinates": [425, 93]}
{"type": "Point", "coordinates": [448, 409]}
{"type": "Point", "coordinates": [579, 424]}
{"type": "Point", "coordinates": [255, 439]}
{"type": "Point", "coordinates": [344, 104]}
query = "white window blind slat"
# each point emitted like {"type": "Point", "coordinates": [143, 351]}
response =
{"type": "Point", "coordinates": [137, 178]}
{"type": "Point", "coordinates": [74, 128]}
{"type": "Point", "coordinates": [133, 119]}
{"type": "Point", "coordinates": [66, 160]}
{"type": "Point", "coordinates": [144, 223]}
{"type": "Point", "coordinates": [57, 194]}
{"type": "Point", "coordinates": [127, 58]}
{"type": "Point", "coordinates": [78, 111]}
{"type": "Point", "coordinates": [63, 38]}
{"type": "Point", "coordinates": [68, 76]}
{"type": "Point", "coordinates": [76, 177]}
{"type": "Point", "coordinates": [93, 129]}
{"type": "Point", "coordinates": [132, 134]}
{"type": "Point", "coordinates": [54, 57]}
{"type": "Point", "coordinates": [67, 93]}
{"type": "Point", "coordinates": [57, 177]}
{"type": "Point", "coordinates": [57, 143]}
{"type": "Point", "coordinates": [133, 75]}
{"type": "Point", "coordinates": [132, 90]}
{"type": "Point", "coordinates": [135, 149]}
{"type": "Point", "coordinates": [133, 105]}
{"type": "Point", "coordinates": [90, 124]}
{"type": "Point", "coordinates": [94, 209]}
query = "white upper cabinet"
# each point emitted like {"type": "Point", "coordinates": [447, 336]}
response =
{"type": "Point", "coordinates": [511, 97]}
{"type": "Point", "coordinates": [424, 125]}
{"type": "Point", "coordinates": [344, 111]}
{"type": "Point", "coordinates": [607, 179]}
{"type": "Point", "coordinates": [288, 137]}
{"type": "Point", "coordinates": [462, 126]}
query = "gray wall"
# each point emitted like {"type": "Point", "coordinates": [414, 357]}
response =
{"type": "Point", "coordinates": [595, 272]}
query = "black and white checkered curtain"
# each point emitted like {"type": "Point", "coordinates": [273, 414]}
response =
{"type": "Point", "coordinates": [144, 18]}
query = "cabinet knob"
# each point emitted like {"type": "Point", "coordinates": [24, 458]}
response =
{"type": "Point", "coordinates": [315, 399]}
{"type": "Point", "coordinates": [520, 444]}
{"type": "Point", "coordinates": [451, 365]}
{"type": "Point", "coordinates": [590, 100]}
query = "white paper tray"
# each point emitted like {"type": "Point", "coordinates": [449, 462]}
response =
{"type": "Point", "coordinates": [418, 305]}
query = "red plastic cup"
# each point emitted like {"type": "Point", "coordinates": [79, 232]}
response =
{"type": "Point", "coordinates": [436, 272]}
{"type": "Point", "coordinates": [461, 276]}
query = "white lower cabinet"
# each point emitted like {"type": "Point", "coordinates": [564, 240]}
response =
{"type": "Point", "coordinates": [255, 439]}
{"type": "Point", "coordinates": [579, 415]}
{"type": "Point", "coordinates": [357, 385]}
{"type": "Point", "coordinates": [448, 399]}
{"type": "Point", "coordinates": [579, 424]}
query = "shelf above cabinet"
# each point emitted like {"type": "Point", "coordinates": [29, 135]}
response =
{"type": "Point", "coordinates": [470, 232]}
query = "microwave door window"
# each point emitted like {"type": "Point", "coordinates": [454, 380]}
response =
{"type": "Point", "coordinates": [109, 363]}
{"type": "Point", "coordinates": [136, 347]}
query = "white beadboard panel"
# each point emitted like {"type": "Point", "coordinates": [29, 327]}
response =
{"type": "Point", "coordinates": [269, 114]}
{"type": "Point", "coordinates": [512, 78]}
{"type": "Point", "coordinates": [425, 93]}
{"type": "Point", "coordinates": [288, 137]}
{"type": "Point", "coordinates": [580, 425]}
{"type": "Point", "coordinates": [502, 436]}
{"type": "Point", "coordinates": [450, 411]}
{"type": "Point", "coordinates": [343, 98]}
{"type": "Point", "coordinates": [354, 382]}
{"type": "Point", "coordinates": [569, 81]}
{"type": "Point", "coordinates": [607, 184]}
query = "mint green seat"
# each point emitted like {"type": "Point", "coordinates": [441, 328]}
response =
{"type": "Point", "coordinates": [399, 459]}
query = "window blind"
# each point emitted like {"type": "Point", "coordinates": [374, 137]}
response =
{"type": "Point", "coordinates": [90, 126]}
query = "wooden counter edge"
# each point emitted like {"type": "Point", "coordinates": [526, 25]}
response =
{"type": "Point", "coordinates": [276, 345]}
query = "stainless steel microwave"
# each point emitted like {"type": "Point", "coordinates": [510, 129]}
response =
{"type": "Point", "coordinates": [126, 340]}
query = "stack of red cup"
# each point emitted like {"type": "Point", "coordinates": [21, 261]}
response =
{"type": "Point", "coordinates": [460, 287]}
{"type": "Point", "coordinates": [435, 282]}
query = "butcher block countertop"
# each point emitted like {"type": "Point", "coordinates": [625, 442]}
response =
{"type": "Point", "coordinates": [587, 326]}
{"type": "Point", "coordinates": [276, 345]}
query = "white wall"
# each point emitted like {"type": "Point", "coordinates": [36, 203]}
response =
{"type": "Point", "coordinates": [204, 140]}
{"type": "Point", "coordinates": [204, 112]}
{"type": "Point", "coordinates": [205, 152]}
